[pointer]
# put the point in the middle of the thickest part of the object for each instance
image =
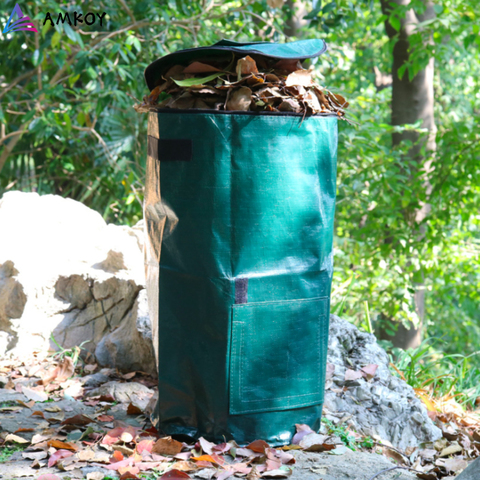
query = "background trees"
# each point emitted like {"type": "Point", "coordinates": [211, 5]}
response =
{"type": "Point", "coordinates": [408, 214]}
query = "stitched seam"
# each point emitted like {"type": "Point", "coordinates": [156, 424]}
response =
{"type": "Point", "coordinates": [276, 302]}
{"type": "Point", "coordinates": [318, 396]}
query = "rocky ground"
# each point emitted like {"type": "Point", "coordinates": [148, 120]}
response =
{"type": "Point", "coordinates": [96, 427]}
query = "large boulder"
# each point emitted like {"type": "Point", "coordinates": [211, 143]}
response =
{"type": "Point", "coordinates": [65, 274]}
{"type": "Point", "coordinates": [384, 406]}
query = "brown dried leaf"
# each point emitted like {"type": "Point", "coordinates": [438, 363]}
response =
{"type": "Point", "coordinates": [258, 446]}
{"type": "Point", "coordinates": [62, 445]}
{"type": "Point", "coordinates": [60, 373]}
{"type": "Point", "coordinates": [451, 449]}
{"type": "Point", "coordinates": [167, 446]}
{"type": "Point", "coordinates": [316, 443]}
{"type": "Point", "coordinates": [455, 464]}
{"type": "Point", "coordinates": [299, 77]}
{"type": "Point", "coordinates": [240, 99]}
{"type": "Point", "coordinates": [289, 65]}
{"type": "Point", "coordinates": [79, 420]}
{"type": "Point", "coordinates": [133, 410]}
{"type": "Point", "coordinates": [198, 67]}
{"type": "Point", "coordinates": [246, 66]}
{"type": "Point", "coordinates": [174, 72]}
{"type": "Point", "coordinates": [36, 395]}
{"type": "Point", "coordinates": [86, 455]}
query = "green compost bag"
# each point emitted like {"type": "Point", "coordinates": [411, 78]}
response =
{"type": "Point", "coordinates": [239, 210]}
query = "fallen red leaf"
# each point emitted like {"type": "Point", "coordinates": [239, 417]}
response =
{"type": "Point", "coordinates": [145, 445]}
{"type": "Point", "coordinates": [38, 413]}
{"type": "Point", "coordinates": [258, 446]}
{"type": "Point", "coordinates": [24, 430]}
{"type": "Point", "coordinates": [174, 475]}
{"type": "Point", "coordinates": [58, 455]}
{"type": "Point", "coordinates": [105, 418]}
{"type": "Point", "coordinates": [124, 434]}
{"type": "Point", "coordinates": [151, 431]}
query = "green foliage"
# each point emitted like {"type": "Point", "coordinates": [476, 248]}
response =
{"type": "Point", "coordinates": [427, 367]}
{"type": "Point", "coordinates": [346, 437]}
{"type": "Point", "coordinates": [7, 452]}
{"type": "Point", "coordinates": [73, 353]}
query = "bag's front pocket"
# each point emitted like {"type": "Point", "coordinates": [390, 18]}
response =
{"type": "Point", "coordinates": [278, 355]}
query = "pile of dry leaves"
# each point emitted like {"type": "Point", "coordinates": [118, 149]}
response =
{"type": "Point", "coordinates": [451, 454]}
{"type": "Point", "coordinates": [246, 84]}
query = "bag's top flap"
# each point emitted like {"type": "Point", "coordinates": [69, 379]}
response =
{"type": "Point", "coordinates": [300, 50]}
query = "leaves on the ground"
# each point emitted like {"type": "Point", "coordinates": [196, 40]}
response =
{"type": "Point", "coordinates": [38, 395]}
{"type": "Point", "coordinates": [351, 375]}
{"type": "Point", "coordinates": [62, 445]}
{"type": "Point", "coordinates": [258, 446]}
{"type": "Point", "coordinates": [167, 446]}
{"type": "Point", "coordinates": [12, 438]}
{"type": "Point", "coordinates": [133, 410]}
{"type": "Point", "coordinates": [63, 371]}
{"type": "Point", "coordinates": [174, 475]}
{"type": "Point", "coordinates": [58, 455]}
{"type": "Point", "coordinates": [79, 420]}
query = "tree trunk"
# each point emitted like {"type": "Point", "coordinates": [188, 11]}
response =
{"type": "Point", "coordinates": [412, 101]}
{"type": "Point", "coordinates": [296, 22]}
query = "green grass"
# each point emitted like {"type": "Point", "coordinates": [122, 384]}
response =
{"type": "Point", "coordinates": [427, 367]}
{"type": "Point", "coordinates": [7, 452]}
{"type": "Point", "coordinates": [348, 440]}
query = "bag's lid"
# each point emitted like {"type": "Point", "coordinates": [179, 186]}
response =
{"type": "Point", "coordinates": [300, 50]}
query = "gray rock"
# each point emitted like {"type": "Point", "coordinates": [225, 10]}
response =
{"type": "Point", "coordinates": [350, 466]}
{"type": "Point", "coordinates": [130, 346]}
{"type": "Point", "coordinates": [95, 380]}
{"type": "Point", "coordinates": [472, 472]}
{"type": "Point", "coordinates": [64, 271]}
{"type": "Point", "coordinates": [384, 407]}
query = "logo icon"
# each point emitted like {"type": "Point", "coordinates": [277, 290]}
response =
{"type": "Point", "coordinates": [23, 22]}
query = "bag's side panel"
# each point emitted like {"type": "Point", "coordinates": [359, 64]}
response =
{"type": "Point", "coordinates": [283, 193]}
{"type": "Point", "coordinates": [195, 287]}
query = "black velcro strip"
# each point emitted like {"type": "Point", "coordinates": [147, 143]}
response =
{"type": "Point", "coordinates": [170, 149]}
{"type": "Point", "coordinates": [241, 290]}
